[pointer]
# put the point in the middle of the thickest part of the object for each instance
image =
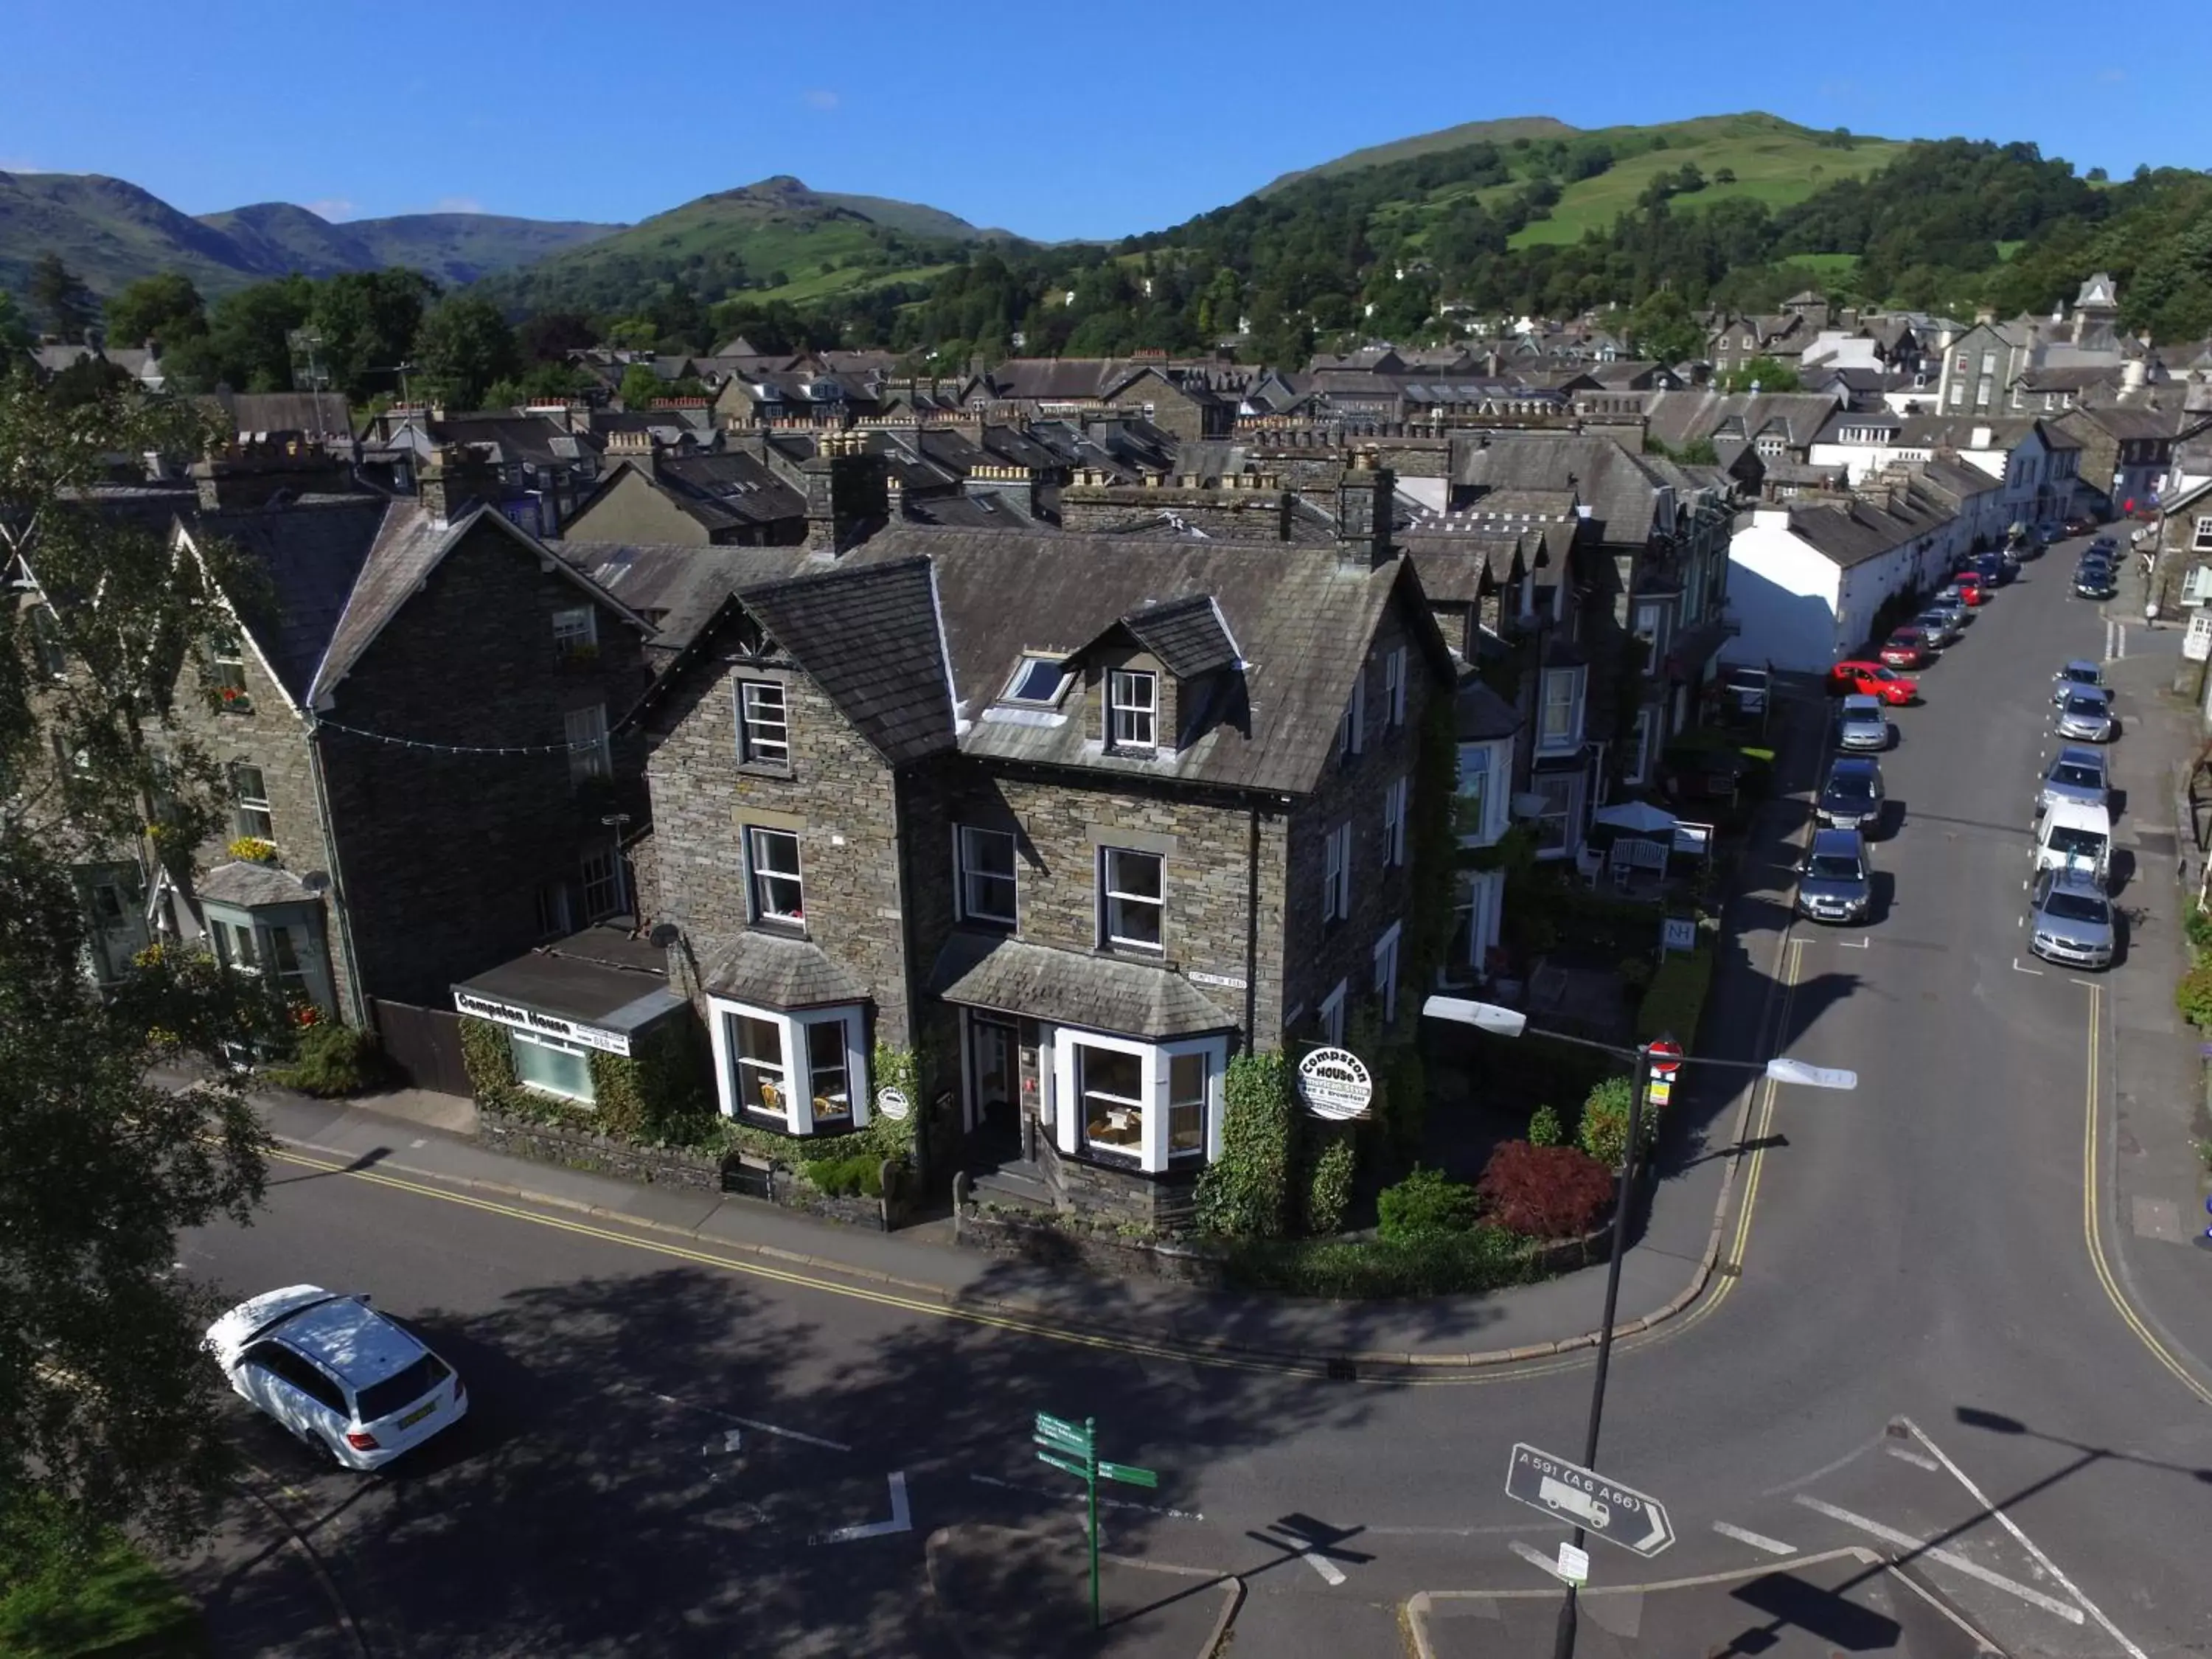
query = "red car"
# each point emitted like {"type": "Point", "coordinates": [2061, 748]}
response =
{"type": "Point", "coordinates": [1906, 648]}
{"type": "Point", "coordinates": [1873, 680]}
{"type": "Point", "coordinates": [1968, 588]}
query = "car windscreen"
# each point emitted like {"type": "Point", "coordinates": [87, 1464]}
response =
{"type": "Point", "coordinates": [2075, 906]}
{"type": "Point", "coordinates": [2076, 843]}
{"type": "Point", "coordinates": [2088, 707]}
{"type": "Point", "coordinates": [401, 1389]}
{"type": "Point", "coordinates": [1833, 866]}
{"type": "Point", "coordinates": [2085, 777]}
{"type": "Point", "coordinates": [1843, 786]}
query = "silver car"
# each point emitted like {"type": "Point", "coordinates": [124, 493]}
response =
{"type": "Point", "coordinates": [2071, 920]}
{"type": "Point", "coordinates": [2086, 716]}
{"type": "Point", "coordinates": [2073, 774]}
{"type": "Point", "coordinates": [1861, 724]}
{"type": "Point", "coordinates": [2073, 676]}
{"type": "Point", "coordinates": [1941, 624]}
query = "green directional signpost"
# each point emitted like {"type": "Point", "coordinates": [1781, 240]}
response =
{"type": "Point", "coordinates": [1075, 1450]}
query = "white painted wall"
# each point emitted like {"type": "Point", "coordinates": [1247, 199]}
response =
{"type": "Point", "coordinates": [1784, 591]}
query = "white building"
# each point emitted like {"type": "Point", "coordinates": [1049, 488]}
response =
{"type": "Point", "coordinates": [1806, 578]}
{"type": "Point", "coordinates": [2034, 463]}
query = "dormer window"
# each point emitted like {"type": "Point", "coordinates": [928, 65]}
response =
{"type": "Point", "coordinates": [1132, 709]}
{"type": "Point", "coordinates": [1039, 681]}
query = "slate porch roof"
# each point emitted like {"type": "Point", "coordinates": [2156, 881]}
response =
{"type": "Point", "coordinates": [774, 971]}
{"type": "Point", "coordinates": [1187, 636]}
{"type": "Point", "coordinates": [1072, 987]}
{"type": "Point", "coordinates": [247, 885]}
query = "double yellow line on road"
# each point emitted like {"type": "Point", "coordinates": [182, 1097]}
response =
{"type": "Point", "coordinates": [2093, 1234]}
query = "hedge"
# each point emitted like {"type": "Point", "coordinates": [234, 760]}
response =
{"type": "Point", "coordinates": [1676, 1000]}
{"type": "Point", "coordinates": [1483, 1258]}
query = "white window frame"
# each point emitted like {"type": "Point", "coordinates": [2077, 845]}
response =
{"type": "Point", "coordinates": [2202, 541]}
{"type": "Point", "coordinates": [1029, 660]}
{"type": "Point", "coordinates": [251, 814]}
{"type": "Point", "coordinates": [1131, 724]}
{"type": "Point", "coordinates": [1393, 822]}
{"type": "Point", "coordinates": [575, 631]}
{"type": "Point", "coordinates": [795, 1030]}
{"type": "Point", "coordinates": [1483, 832]}
{"type": "Point", "coordinates": [1332, 1015]}
{"type": "Point", "coordinates": [1153, 1154]}
{"type": "Point", "coordinates": [1576, 681]}
{"type": "Point", "coordinates": [1386, 971]}
{"type": "Point", "coordinates": [537, 1040]}
{"type": "Point", "coordinates": [1393, 689]}
{"type": "Point", "coordinates": [1576, 785]}
{"type": "Point", "coordinates": [1351, 724]}
{"type": "Point", "coordinates": [227, 652]}
{"type": "Point", "coordinates": [763, 723]}
{"type": "Point", "coordinates": [589, 757]}
{"type": "Point", "coordinates": [1110, 894]}
{"type": "Point", "coordinates": [759, 874]}
{"type": "Point", "coordinates": [599, 884]}
{"type": "Point", "coordinates": [965, 871]}
{"type": "Point", "coordinates": [1336, 874]}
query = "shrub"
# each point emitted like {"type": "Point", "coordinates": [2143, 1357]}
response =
{"type": "Point", "coordinates": [1604, 1129]}
{"type": "Point", "coordinates": [1425, 1203]}
{"type": "Point", "coordinates": [1634, 972]}
{"type": "Point", "coordinates": [1544, 1192]}
{"type": "Point", "coordinates": [1676, 1001]}
{"type": "Point", "coordinates": [331, 1059]}
{"type": "Point", "coordinates": [2196, 927]}
{"type": "Point", "coordinates": [1545, 1128]}
{"type": "Point", "coordinates": [1328, 1186]}
{"type": "Point", "coordinates": [2193, 996]}
{"type": "Point", "coordinates": [1246, 1192]}
{"type": "Point", "coordinates": [848, 1174]}
{"type": "Point", "coordinates": [1434, 1264]}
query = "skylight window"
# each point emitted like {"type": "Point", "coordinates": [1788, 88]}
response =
{"type": "Point", "coordinates": [1038, 680]}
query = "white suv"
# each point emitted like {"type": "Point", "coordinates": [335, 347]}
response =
{"type": "Point", "coordinates": [336, 1373]}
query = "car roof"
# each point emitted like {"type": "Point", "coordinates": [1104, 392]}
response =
{"type": "Point", "coordinates": [351, 1340]}
{"type": "Point", "coordinates": [2079, 815]}
{"type": "Point", "coordinates": [1835, 841]}
{"type": "Point", "coordinates": [2073, 663]}
{"type": "Point", "coordinates": [2073, 754]}
{"type": "Point", "coordinates": [1906, 632]}
{"type": "Point", "coordinates": [1861, 703]}
{"type": "Point", "coordinates": [2078, 882]}
{"type": "Point", "coordinates": [1854, 764]}
{"type": "Point", "coordinates": [2096, 694]}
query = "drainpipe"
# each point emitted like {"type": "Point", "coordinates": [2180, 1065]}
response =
{"type": "Point", "coordinates": [356, 998]}
{"type": "Point", "coordinates": [1252, 934]}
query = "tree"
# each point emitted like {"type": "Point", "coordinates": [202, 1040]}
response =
{"type": "Point", "coordinates": [1661, 326]}
{"type": "Point", "coordinates": [247, 346]}
{"type": "Point", "coordinates": [365, 323]}
{"type": "Point", "coordinates": [1767, 374]}
{"type": "Point", "coordinates": [64, 304]}
{"type": "Point", "coordinates": [551, 335]}
{"type": "Point", "coordinates": [165, 308]}
{"type": "Point", "coordinates": [640, 386]}
{"type": "Point", "coordinates": [110, 1403]}
{"type": "Point", "coordinates": [14, 332]}
{"type": "Point", "coordinates": [464, 345]}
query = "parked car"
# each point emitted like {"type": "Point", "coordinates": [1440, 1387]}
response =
{"type": "Point", "coordinates": [1992, 570]}
{"type": "Point", "coordinates": [1871, 679]}
{"type": "Point", "coordinates": [2109, 544]}
{"type": "Point", "coordinates": [2070, 920]}
{"type": "Point", "coordinates": [335, 1372]}
{"type": "Point", "coordinates": [2076, 837]}
{"type": "Point", "coordinates": [1852, 798]}
{"type": "Point", "coordinates": [1861, 724]}
{"type": "Point", "coordinates": [1908, 647]}
{"type": "Point", "coordinates": [2078, 525]}
{"type": "Point", "coordinates": [1968, 596]}
{"type": "Point", "coordinates": [1973, 591]}
{"type": "Point", "coordinates": [2086, 716]}
{"type": "Point", "coordinates": [2009, 563]}
{"type": "Point", "coordinates": [1942, 623]}
{"type": "Point", "coordinates": [1836, 881]}
{"type": "Point", "coordinates": [2075, 775]}
{"type": "Point", "coordinates": [2094, 581]}
{"type": "Point", "coordinates": [2073, 676]}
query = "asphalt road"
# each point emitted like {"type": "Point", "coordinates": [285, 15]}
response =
{"type": "Point", "coordinates": [1918, 1355]}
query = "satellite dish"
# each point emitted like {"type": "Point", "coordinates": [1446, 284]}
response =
{"type": "Point", "coordinates": [315, 881]}
{"type": "Point", "coordinates": [663, 935]}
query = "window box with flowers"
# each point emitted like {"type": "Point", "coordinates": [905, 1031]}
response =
{"type": "Point", "coordinates": [253, 849]}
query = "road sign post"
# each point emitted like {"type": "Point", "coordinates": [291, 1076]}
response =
{"type": "Point", "coordinates": [1075, 1450]}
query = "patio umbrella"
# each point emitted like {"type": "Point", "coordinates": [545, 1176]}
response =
{"type": "Point", "coordinates": [1637, 817]}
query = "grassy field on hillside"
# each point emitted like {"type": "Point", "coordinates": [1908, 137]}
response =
{"type": "Point", "coordinates": [821, 284]}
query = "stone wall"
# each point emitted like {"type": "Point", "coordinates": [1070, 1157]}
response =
{"type": "Point", "coordinates": [1239, 515]}
{"type": "Point", "coordinates": [443, 856]}
{"type": "Point", "coordinates": [1049, 1244]}
{"type": "Point", "coordinates": [836, 794]}
{"type": "Point", "coordinates": [1093, 1187]}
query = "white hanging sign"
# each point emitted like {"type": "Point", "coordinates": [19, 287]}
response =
{"type": "Point", "coordinates": [893, 1104]}
{"type": "Point", "coordinates": [1334, 1083]}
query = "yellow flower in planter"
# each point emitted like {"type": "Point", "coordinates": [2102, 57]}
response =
{"type": "Point", "coordinates": [252, 849]}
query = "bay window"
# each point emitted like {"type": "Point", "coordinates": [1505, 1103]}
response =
{"type": "Point", "coordinates": [800, 1071]}
{"type": "Point", "coordinates": [1138, 1104]}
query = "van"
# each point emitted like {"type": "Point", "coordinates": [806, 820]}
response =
{"type": "Point", "coordinates": [2076, 836]}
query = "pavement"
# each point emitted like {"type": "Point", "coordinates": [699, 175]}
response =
{"type": "Point", "coordinates": [1932, 1333]}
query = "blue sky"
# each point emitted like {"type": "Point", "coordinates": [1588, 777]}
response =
{"type": "Point", "coordinates": [1048, 119]}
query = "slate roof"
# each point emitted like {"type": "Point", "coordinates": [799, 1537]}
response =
{"type": "Point", "coordinates": [1072, 987]}
{"type": "Point", "coordinates": [575, 979]}
{"type": "Point", "coordinates": [775, 972]}
{"type": "Point", "coordinates": [870, 637]}
{"type": "Point", "coordinates": [1458, 564]}
{"type": "Point", "coordinates": [1479, 714]}
{"type": "Point", "coordinates": [1851, 533]}
{"type": "Point", "coordinates": [1187, 636]}
{"type": "Point", "coordinates": [1620, 492]}
{"type": "Point", "coordinates": [247, 884]}
{"type": "Point", "coordinates": [1301, 620]}
{"type": "Point", "coordinates": [313, 555]}
{"type": "Point", "coordinates": [324, 414]}
{"type": "Point", "coordinates": [982, 509]}
{"type": "Point", "coordinates": [678, 587]}
{"type": "Point", "coordinates": [1679, 418]}
{"type": "Point", "coordinates": [724, 488]}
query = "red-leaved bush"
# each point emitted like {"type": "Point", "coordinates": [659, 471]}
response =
{"type": "Point", "coordinates": [1544, 1192]}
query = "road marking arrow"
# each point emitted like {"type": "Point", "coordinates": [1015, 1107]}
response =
{"type": "Point", "coordinates": [902, 1519]}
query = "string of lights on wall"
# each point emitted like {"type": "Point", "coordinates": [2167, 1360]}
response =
{"type": "Point", "coordinates": [613, 729]}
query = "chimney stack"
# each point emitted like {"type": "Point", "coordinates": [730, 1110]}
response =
{"type": "Point", "coordinates": [1364, 497]}
{"type": "Point", "coordinates": [847, 497]}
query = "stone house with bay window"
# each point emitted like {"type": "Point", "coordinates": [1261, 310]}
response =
{"type": "Point", "coordinates": [1079, 817]}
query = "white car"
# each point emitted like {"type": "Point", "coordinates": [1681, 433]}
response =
{"type": "Point", "coordinates": [336, 1373]}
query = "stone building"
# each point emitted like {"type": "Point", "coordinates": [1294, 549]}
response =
{"type": "Point", "coordinates": [1078, 816]}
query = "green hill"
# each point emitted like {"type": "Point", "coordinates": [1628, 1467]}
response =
{"type": "Point", "coordinates": [112, 233]}
{"type": "Point", "coordinates": [775, 236]}
{"type": "Point", "coordinates": [1503, 131]}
